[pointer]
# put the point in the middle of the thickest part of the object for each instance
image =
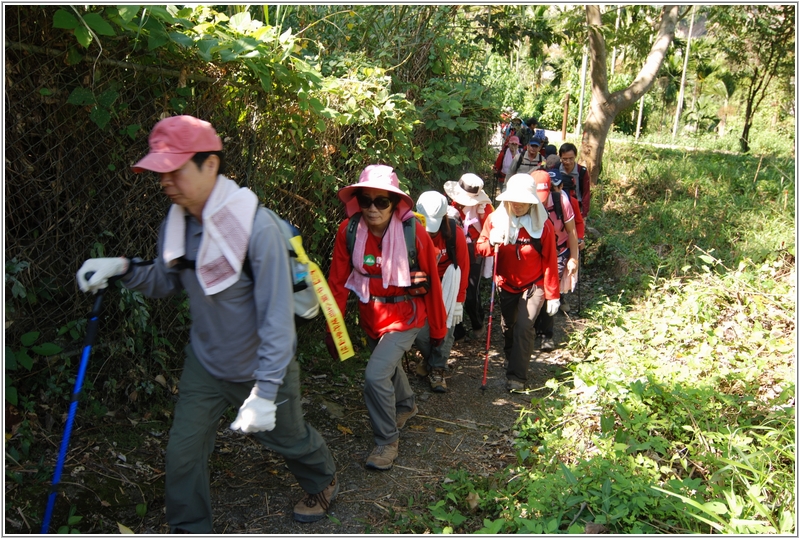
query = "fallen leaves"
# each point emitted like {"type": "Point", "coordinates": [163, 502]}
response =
{"type": "Point", "coordinates": [344, 430]}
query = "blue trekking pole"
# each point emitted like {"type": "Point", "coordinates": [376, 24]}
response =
{"type": "Point", "coordinates": [91, 333]}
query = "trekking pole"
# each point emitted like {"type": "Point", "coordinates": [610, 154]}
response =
{"type": "Point", "coordinates": [91, 333]}
{"type": "Point", "coordinates": [580, 257]}
{"type": "Point", "coordinates": [489, 325]}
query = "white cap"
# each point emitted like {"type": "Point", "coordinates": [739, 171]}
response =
{"type": "Point", "coordinates": [432, 205]}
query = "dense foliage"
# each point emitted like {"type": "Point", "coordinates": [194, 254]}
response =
{"type": "Point", "coordinates": [679, 412]}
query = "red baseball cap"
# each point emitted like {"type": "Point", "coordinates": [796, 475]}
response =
{"type": "Point", "coordinates": [542, 181]}
{"type": "Point", "coordinates": [174, 140]}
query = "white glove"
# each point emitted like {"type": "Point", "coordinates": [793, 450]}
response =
{"type": "Point", "coordinates": [496, 236]}
{"type": "Point", "coordinates": [458, 313]}
{"type": "Point", "coordinates": [572, 266]}
{"type": "Point", "coordinates": [256, 414]}
{"type": "Point", "coordinates": [103, 269]}
{"type": "Point", "coordinates": [552, 306]}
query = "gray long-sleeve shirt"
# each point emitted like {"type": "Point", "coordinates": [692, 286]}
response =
{"type": "Point", "coordinates": [245, 332]}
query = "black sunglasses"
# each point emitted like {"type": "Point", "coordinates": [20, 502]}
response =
{"type": "Point", "coordinates": [381, 203]}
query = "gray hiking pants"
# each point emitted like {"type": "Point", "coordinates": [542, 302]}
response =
{"type": "Point", "coordinates": [435, 358]}
{"type": "Point", "coordinates": [519, 311]}
{"type": "Point", "coordinates": [386, 387]}
{"type": "Point", "coordinates": [202, 401]}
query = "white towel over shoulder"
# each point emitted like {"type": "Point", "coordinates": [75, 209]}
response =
{"type": "Point", "coordinates": [227, 225]}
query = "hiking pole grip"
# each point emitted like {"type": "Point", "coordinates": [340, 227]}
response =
{"type": "Point", "coordinates": [91, 333]}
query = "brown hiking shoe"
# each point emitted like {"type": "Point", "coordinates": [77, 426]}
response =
{"type": "Point", "coordinates": [436, 378]}
{"type": "Point", "coordinates": [314, 506]}
{"type": "Point", "coordinates": [382, 457]}
{"type": "Point", "coordinates": [402, 417]}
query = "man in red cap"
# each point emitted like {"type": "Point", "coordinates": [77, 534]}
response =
{"type": "Point", "coordinates": [561, 214]}
{"type": "Point", "coordinates": [242, 340]}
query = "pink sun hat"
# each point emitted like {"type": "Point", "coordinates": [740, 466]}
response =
{"type": "Point", "coordinates": [174, 140]}
{"type": "Point", "coordinates": [377, 177]}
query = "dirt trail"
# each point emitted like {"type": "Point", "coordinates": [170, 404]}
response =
{"type": "Point", "coordinates": [465, 428]}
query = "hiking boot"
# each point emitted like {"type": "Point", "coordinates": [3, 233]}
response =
{"type": "Point", "coordinates": [314, 506]}
{"type": "Point", "coordinates": [514, 385]}
{"type": "Point", "coordinates": [422, 369]}
{"type": "Point", "coordinates": [436, 378]}
{"type": "Point", "coordinates": [547, 343]}
{"type": "Point", "coordinates": [402, 417]}
{"type": "Point", "coordinates": [382, 457]}
{"type": "Point", "coordinates": [564, 304]}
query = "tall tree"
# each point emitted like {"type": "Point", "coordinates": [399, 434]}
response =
{"type": "Point", "coordinates": [605, 105]}
{"type": "Point", "coordinates": [758, 44]}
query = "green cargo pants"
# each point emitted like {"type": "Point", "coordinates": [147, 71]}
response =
{"type": "Point", "coordinates": [202, 401]}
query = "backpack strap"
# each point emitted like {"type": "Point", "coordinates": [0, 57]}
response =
{"type": "Point", "coordinates": [450, 244]}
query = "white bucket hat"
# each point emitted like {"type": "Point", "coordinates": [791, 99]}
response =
{"type": "Point", "coordinates": [432, 205]}
{"type": "Point", "coordinates": [467, 191]}
{"type": "Point", "coordinates": [520, 188]}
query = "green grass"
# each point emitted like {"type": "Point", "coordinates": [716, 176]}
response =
{"type": "Point", "coordinates": [679, 414]}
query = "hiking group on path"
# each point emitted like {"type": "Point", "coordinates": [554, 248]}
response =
{"type": "Point", "coordinates": [415, 275]}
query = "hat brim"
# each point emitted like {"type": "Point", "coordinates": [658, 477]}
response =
{"type": "Point", "coordinates": [162, 162]}
{"type": "Point", "coordinates": [459, 196]}
{"type": "Point", "coordinates": [519, 197]}
{"type": "Point", "coordinates": [348, 196]}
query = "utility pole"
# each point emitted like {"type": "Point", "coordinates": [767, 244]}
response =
{"type": "Point", "coordinates": [583, 93]}
{"type": "Point", "coordinates": [683, 78]}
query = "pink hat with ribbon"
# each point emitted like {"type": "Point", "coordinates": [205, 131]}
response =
{"type": "Point", "coordinates": [376, 177]}
{"type": "Point", "coordinates": [174, 140]}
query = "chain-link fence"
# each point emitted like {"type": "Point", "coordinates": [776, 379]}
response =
{"type": "Point", "coordinates": [75, 122]}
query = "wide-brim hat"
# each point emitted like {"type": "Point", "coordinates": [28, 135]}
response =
{"type": "Point", "coordinates": [467, 191]}
{"type": "Point", "coordinates": [520, 188]}
{"type": "Point", "coordinates": [376, 177]}
{"type": "Point", "coordinates": [174, 140]}
{"type": "Point", "coordinates": [433, 206]}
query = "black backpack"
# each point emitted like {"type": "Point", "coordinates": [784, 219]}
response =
{"type": "Point", "coordinates": [572, 188]}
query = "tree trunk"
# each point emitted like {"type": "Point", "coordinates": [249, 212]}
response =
{"type": "Point", "coordinates": [605, 106]}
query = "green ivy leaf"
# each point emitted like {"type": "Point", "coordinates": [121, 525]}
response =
{"type": "Point", "coordinates": [97, 23]}
{"type": "Point", "coordinates": [64, 19]}
{"type": "Point", "coordinates": [11, 393]}
{"type": "Point", "coordinates": [45, 91]}
{"type": "Point", "coordinates": [107, 98]}
{"type": "Point", "coordinates": [81, 97]}
{"type": "Point", "coordinates": [24, 359]}
{"type": "Point", "coordinates": [83, 36]}
{"type": "Point", "coordinates": [100, 116]}
{"type": "Point", "coordinates": [127, 13]}
{"type": "Point", "coordinates": [156, 39]}
{"type": "Point", "coordinates": [74, 56]}
{"type": "Point", "coordinates": [29, 338]}
{"type": "Point", "coordinates": [47, 349]}
{"type": "Point", "coordinates": [181, 39]}
{"type": "Point", "coordinates": [132, 129]}
{"type": "Point", "coordinates": [11, 360]}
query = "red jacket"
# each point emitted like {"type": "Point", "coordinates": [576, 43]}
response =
{"type": "Point", "coordinates": [471, 231]}
{"type": "Point", "coordinates": [462, 257]}
{"type": "Point", "coordinates": [379, 318]}
{"type": "Point", "coordinates": [519, 265]}
{"type": "Point", "coordinates": [580, 224]}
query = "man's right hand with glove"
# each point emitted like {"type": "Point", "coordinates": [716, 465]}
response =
{"type": "Point", "coordinates": [255, 415]}
{"type": "Point", "coordinates": [102, 269]}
